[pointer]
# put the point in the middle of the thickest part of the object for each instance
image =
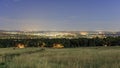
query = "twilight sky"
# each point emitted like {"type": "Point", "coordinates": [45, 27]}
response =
{"type": "Point", "coordinates": [60, 15]}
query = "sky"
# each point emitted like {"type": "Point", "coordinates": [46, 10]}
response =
{"type": "Point", "coordinates": [60, 15]}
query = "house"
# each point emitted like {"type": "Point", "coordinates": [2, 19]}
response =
{"type": "Point", "coordinates": [20, 45]}
{"type": "Point", "coordinates": [56, 45]}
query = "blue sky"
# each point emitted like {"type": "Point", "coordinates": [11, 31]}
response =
{"type": "Point", "coordinates": [60, 15]}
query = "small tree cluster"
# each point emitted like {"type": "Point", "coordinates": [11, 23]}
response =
{"type": "Point", "coordinates": [68, 43]}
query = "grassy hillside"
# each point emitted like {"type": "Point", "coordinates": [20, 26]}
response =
{"type": "Point", "coordinates": [84, 57]}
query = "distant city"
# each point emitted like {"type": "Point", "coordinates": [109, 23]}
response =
{"type": "Point", "coordinates": [55, 34]}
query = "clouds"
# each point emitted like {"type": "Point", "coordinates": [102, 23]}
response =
{"type": "Point", "coordinates": [12, 0]}
{"type": "Point", "coordinates": [27, 24]}
{"type": "Point", "coordinates": [17, 0]}
{"type": "Point", "coordinates": [58, 15]}
{"type": "Point", "coordinates": [8, 1]}
{"type": "Point", "coordinates": [32, 24]}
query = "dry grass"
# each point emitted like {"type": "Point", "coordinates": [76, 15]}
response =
{"type": "Point", "coordinates": [93, 57]}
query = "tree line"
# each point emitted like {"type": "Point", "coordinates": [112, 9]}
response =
{"type": "Point", "coordinates": [68, 43]}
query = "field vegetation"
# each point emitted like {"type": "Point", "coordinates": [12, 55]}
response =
{"type": "Point", "coordinates": [83, 57]}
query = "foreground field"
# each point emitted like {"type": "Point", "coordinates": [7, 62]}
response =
{"type": "Point", "coordinates": [84, 57]}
